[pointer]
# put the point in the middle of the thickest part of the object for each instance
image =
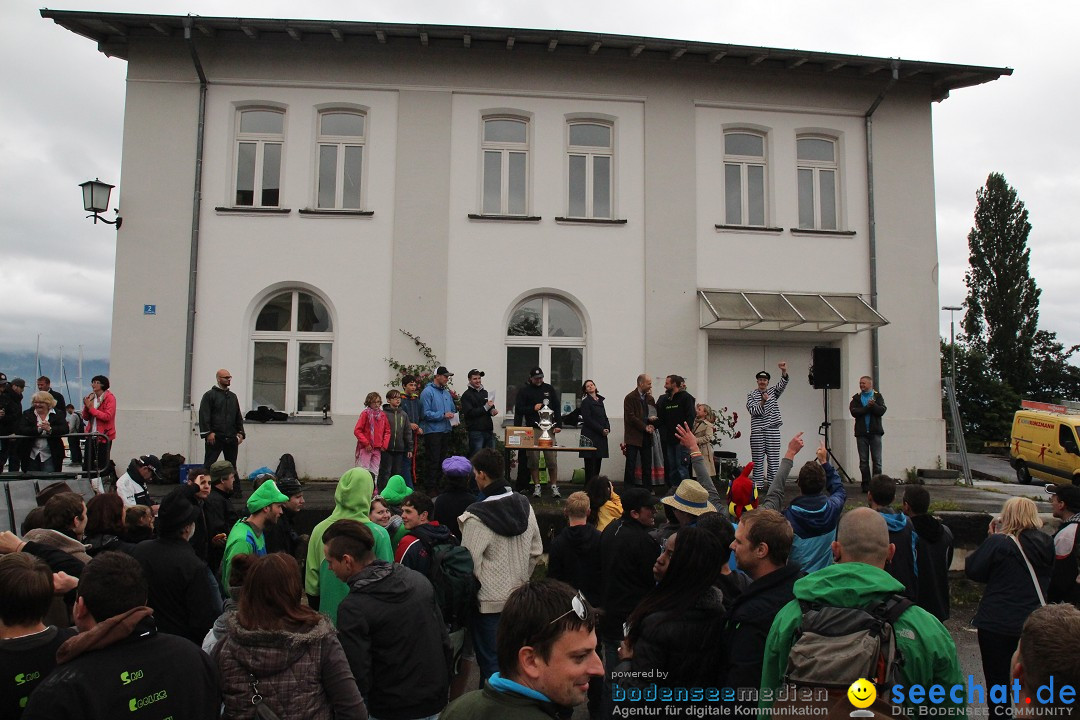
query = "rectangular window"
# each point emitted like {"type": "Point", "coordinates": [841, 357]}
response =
{"type": "Point", "coordinates": [341, 141]}
{"type": "Point", "coordinates": [589, 167]}
{"type": "Point", "coordinates": [313, 383]}
{"type": "Point", "coordinates": [817, 183]}
{"type": "Point", "coordinates": [505, 183]}
{"type": "Point", "coordinates": [269, 372]}
{"type": "Point", "coordinates": [258, 158]}
{"type": "Point", "coordinates": [744, 179]}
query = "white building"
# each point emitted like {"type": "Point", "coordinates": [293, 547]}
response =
{"type": "Point", "coordinates": [295, 192]}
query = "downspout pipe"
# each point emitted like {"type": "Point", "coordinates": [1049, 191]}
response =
{"type": "Point", "coordinates": [196, 204]}
{"type": "Point", "coordinates": [875, 350]}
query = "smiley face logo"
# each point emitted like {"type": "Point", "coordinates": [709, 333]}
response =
{"type": "Point", "coordinates": [862, 693]}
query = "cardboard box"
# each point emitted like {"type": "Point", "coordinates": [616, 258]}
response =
{"type": "Point", "coordinates": [519, 437]}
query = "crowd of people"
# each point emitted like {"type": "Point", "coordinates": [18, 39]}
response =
{"type": "Point", "coordinates": [199, 606]}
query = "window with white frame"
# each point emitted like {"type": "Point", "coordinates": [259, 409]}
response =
{"type": "Point", "coordinates": [292, 353]}
{"type": "Point", "coordinates": [589, 169]}
{"type": "Point", "coordinates": [817, 183]}
{"type": "Point", "coordinates": [505, 182]}
{"type": "Point", "coordinates": [340, 143]}
{"type": "Point", "coordinates": [549, 332]}
{"type": "Point", "coordinates": [744, 178]}
{"type": "Point", "coordinates": [259, 138]}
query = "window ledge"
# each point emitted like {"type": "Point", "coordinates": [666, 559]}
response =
{"type": "Point", "coordinates": [512, 218]}
{"type": "Point", "coordinates": [588, 221]}
{"type": "Point", "coordinates": [832, 233]}
{"type": "Point", "coordinates": [749, 228]}
{"type": "Point", "coordinates": [292, 420]}
{"type": "Point", "coordinates": [321, 212]}
{"type": "Point", "coordinates": [221, 210]}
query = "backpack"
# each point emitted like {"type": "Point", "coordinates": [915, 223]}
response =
{"type": "Point", "coordinates": [836, 646]}
{"type": "Point", "coordinates": [286, 467]}
{"type": "Point", "coordinates": [456, 587]}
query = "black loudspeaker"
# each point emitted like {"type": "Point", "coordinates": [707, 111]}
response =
{"type": "Point", "coordinates": [826, 370]}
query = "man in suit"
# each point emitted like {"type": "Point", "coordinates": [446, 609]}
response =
{"type": "Point", "coordinates": [638, 408]}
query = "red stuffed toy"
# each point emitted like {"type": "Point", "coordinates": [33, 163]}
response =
{"type": "Point", "coordinates": [742, 495]}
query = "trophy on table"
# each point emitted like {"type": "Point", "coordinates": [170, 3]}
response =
{"type": "Point", "coordinates": [545, 440]}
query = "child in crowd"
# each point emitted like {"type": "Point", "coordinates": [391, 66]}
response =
{"type": "Point", "coordinates": [372, 433]}
{"type": "Point", "coordinates": [396, 459]}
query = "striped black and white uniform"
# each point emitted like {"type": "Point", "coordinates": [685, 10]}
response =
{"type": "Point", "coordinates": [765, 422]}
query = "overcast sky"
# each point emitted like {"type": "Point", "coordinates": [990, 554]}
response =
{"type": "Point", "coordinates": [61, 122]}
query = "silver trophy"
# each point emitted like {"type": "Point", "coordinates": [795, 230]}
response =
{"type": "Point", "coordinates": [545, 440]}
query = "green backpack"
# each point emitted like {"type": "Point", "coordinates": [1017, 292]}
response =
{"type": "Point", "coordinates": [456, 587]}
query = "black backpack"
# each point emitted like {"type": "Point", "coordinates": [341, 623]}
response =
{"type": "Point", "coordinates": [835, 646]}
{"type": "Point", "coordinates": [456, 587]}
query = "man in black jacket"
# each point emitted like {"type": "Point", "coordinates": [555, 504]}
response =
{"type": "Point", "coordinates": [219, 511]}
{"type": "Point", "coordinates": [477, 410]}
{"type": "Point", "coordinates": [1065, 503]}
{"type": "Point", "coordinates": [399, 680]}
{"type": "Point", "coordinates": [867, 406]}
{"type": "Point", "coordinates": [179, 587]}
{"type": "Point", "coordinates": [674, 408]}
{"type": "Point", "coordinates": [762, 545]}
{"type": "Point", "coordinates": [119, 662]}
{"type": "Point", "coordinates": [531, 398]}
{"type": "Point", "coordinates": [905, 562]}
{"type": "Point", "coordinates": [627, 556]}
{"type": "Point", "coordinates": [221, 424]}
{"type": "Point", "coordinates": [10, 411]}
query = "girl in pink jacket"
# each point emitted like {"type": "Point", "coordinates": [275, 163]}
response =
{"type": "Point", "coordinates": [372, 433]}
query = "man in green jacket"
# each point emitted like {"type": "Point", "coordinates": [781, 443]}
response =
{"type": "Point", "coordinates": [352, 501]}
{"type": "Point", "coordinates": [858, 579]}
{"type": "Point", "coordinates": [246, 536]}
{"type": "Point", "coordinates": [547, 658]}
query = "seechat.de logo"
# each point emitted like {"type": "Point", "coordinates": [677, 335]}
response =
{"type": "Point", "coordinates": [862, 694]}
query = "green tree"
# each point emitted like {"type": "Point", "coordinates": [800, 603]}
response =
{"type": "Point", "coordinates": [1055, 378]}
{"type": "Point", "coordinates": [1002, 301]}
{"type": "Point", "coordinates": [986, 403]}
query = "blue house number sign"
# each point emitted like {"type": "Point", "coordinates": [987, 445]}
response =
{"type": "Point", "coordinates": [149, 309]}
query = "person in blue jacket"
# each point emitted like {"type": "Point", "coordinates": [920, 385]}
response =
{"type": "Point", "coordinates": [815, 513]}
{"type": "Point", "coordinates": [436, 410]}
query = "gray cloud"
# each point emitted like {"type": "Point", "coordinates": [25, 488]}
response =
{"type": "Point", "coordinates": [63, 121]}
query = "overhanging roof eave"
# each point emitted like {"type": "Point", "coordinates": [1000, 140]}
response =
{"type": "Point", "coordinates": [114, 31]}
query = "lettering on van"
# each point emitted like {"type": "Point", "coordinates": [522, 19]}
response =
{"type": "Point", "coordinates": [1037, 423]}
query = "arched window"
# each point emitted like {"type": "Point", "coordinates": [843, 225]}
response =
{"type": "Point", "coordinates": [818, 172]}
{"type": "Point", "coordinates": [545, 331]}
{"type": "Point", "coordinates": [505, 166]}
{"type": "Point", "coordinates": [260, 134]}
{"type": "Point", "coordinates": [341, 140]}
{"type": "Point", "coordinates": [292, 347]}
{"type": "Point", "coordinates": [744, 178]}
{"type": "Point", "coordinates": [589, 153]}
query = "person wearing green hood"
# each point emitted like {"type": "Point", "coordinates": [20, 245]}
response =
{"type": "Point", "coordinates": [246, 536]}
{"type": "Point", "coordinates": [395, 493]}
{"type": "Point", "coordinates": [352, 501]}
{"type": "Point", "coordinates": [858, 580]}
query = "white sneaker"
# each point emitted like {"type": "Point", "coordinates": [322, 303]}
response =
{"type": "Point", "coordinates": [536, 491]}
{"type": "Point", "coordinates": [555, 492]}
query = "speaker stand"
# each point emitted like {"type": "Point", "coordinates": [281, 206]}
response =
{"type": "Point", "coordinates": [823, 430]}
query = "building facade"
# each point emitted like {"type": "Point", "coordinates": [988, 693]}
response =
{"type": "Point", "coordinates": [295, 193]}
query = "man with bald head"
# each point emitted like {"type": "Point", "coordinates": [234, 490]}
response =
{"type": "Point", "coordinates": [858, 580]}
{"type": "Point", "coordinates": [221, 424]}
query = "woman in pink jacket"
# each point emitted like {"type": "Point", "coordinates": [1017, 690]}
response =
{"type": "Point", "coordinates": [372, 433]}
{"type": "Point", "coordinates": [99, 412]}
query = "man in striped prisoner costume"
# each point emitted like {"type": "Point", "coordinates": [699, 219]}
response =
{"type": "Point", "coordinates": [765, 425]}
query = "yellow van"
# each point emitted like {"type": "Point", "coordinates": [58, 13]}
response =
{"type": "Point", "coordinates": [1044, 446]}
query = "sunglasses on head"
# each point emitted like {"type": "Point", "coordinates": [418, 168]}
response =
{"type": "Point", "coordinates": [577, 606]}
